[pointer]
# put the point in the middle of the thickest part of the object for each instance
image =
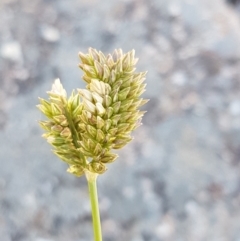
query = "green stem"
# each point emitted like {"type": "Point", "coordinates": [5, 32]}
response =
{"type": "Point", "coordinates": [92, 187]}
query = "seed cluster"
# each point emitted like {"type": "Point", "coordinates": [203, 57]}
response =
{"type": "Point", "coordinates": [87, 126]}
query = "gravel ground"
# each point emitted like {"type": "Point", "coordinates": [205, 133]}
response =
{"type": "Point", "coordinates": [179, 180]}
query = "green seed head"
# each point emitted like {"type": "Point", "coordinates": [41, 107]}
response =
{"type": "Point", "coordinates": [86, 127]}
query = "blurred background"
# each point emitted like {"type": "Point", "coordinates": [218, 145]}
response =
{"type": "Point", "coordinates": [179, 180]}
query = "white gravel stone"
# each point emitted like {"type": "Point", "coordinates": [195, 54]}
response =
{"type": "Point", "coordinates": [179, 78]}
{"type": "Point", "coordinates": [50, 33]}
{"type": "Point", "coordinates": [234, 107]}
{"type": "Point", "coordinates": [12, 51]}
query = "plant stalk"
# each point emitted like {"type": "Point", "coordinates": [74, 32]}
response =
{"type": "Point", "coordinates": [92, 187]}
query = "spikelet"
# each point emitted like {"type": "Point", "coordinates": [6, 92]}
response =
{"type": "Point", "coordinates": [87, 126]}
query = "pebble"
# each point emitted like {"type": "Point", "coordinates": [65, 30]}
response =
{"type": "Point", "coordinates": [12, 51]}
{"type": "Point", "coordinates": [166, 228]}
{"type": "Point", "coordinates": [234, 108]}
{"type": "Point", "coordinates": [179, 78]}
{"type": "Point", "coordinates": [174, 9]}
{"type": "Point", "coordinates": [21, 74]}
{"type": "Point", "coordinates": [50, 33]}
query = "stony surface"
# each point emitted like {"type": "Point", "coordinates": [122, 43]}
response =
{"type": "Point", "coordinates": [179, 180]}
